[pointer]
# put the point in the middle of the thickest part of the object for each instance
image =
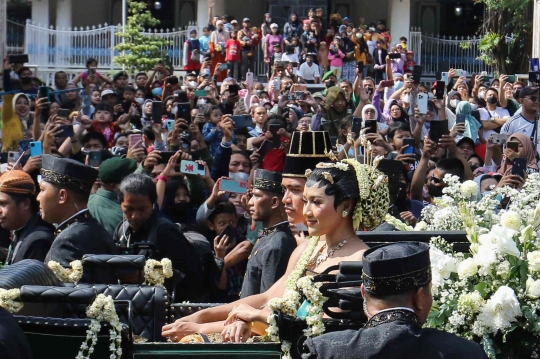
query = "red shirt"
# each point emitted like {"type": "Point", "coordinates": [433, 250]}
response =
{"type": "Point", "coordinates": [233, 50]}
{"type": "Point", "coordinates": [108, 132]}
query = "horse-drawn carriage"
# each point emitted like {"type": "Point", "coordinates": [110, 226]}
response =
{"type": "Point", "coordinates": [54, 320]}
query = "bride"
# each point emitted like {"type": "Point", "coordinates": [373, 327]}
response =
{"type": "Point", "coordinates": [338, 197]}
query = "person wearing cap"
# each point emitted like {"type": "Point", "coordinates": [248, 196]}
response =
{"type": "Point", "coordinates": [270, 255]}
{"type": "Point", "coordinates": [309, 71]}
{"type": "Point", "coordinates": [272, 39]}
{"type": "Point", "coordinates": [218, 39]}
{"type": "Point", "coordinates": [32, 236]}
{"type": "Point", "coordinates": [525, 121]}
{"type": "Point", "coordinates": [103, 205]}
{"type": "Point", "coordinates": [466, 146]}
{"type": "Point", "coordinates": [397, 301]}
{"type": "Point", "coordinates": [191, 58]}
{"type": "Point", "coordinates": [137, 195]}
{"type": "Point", "coordinates": [64, 190]}
{"type": "Point", "coordinates": [234, 25]}
{"type": "Point", "coordinates": [120, 81]}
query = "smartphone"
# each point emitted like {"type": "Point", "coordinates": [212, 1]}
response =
{"type": "Point", "coordinates": [276, 140]}
{"type": "Point", "coordinates": [222, 67]}
{"type": "Point", "coordinates": [277, 83]}
{"type": "Point", "coordinates": [422, 102]}
{"type": "Point", "coordinates": [201, 93]}
{"type": "Point", "coordinates": [228, 231]}
{"type": "Point", "coordinates": [444, 77]}
{"type": "Point", "coordinates": [389, 83]}
{"type": "Point", "coordinates": [356, 126]}
{"type": "Point", "coordinates": [157, 111]}
{"type": "Point", "coordinates": [511, 79]}
{"type": "Point", "coordinates": [464, 73]}
{"type": "Point", "coordinates": [249, 78]}
{"type": "Point", "coordinates": [535, 64]}
{"type": "Point", "coordinates": [372, 126]}
{"type": "Point", "coordinates": [417, 74]}
{"type": "Point", "coordinates": [439, 90]}
{"type": "Point", "coordinates": [191, 167]}
{"type": "Point", "coordinates": [133, 139]}
{"type": "Point", "coordinates": [13, 156]}
{"type": "Point", "coordinates": [184, 111]}
{"type": "Point", "coordinates": [94, 158]}
{"type": "Point", "coordinates": [291, 96]}
{"type": "Point", "coordinates": [458, 72]}
{"type": "Point", "coordinates": [24, 145]}
{"type": "Point", "coordinates": [460, 118]}
{"type": "Point", "coordinates": [437, 130]}
{"type": "Point", "coordinates": [263, 150]}
{"type": "Point", "coordinates": [499, 138]}
{"type": "Point", "coordinates": [394, 55]}
{"type": "Point", "coordinates": [282, 63]}
{"type": "Point", "coordinates": [300, 95]}
{"type": "Point", "coordinates": [519, 166]}
{"type": "Point", "coordinates": [67, 131]}
{"type": "Point", "coordinates": [242, 121]}
{"type": "Point", "coordinates": [233, 186]}
{"type": "Point", "coordinates": [92, 71]}
{"type": "Point", "coordinates": [169, 124]}
{"type": "Point", "coordinates": [63, 112]}
{"type": "Point", "coordinates": [514, 146]}
{"type": "Point", "coordinates": [35, 149]}
{"type": "Point", "coordinates": [18, 59]}
{"type": "Point", "coordinates": [534, 77]}
{"type": "Point", "coordinates": [165, 156]}
{"type": "Point", "coordinates": [233, 90]}
{"type": "Point", "coordinates": [44, 92]}
{"type": "Point", "coordinates": [486, 79]}
{"type": "Point", "coordinates": [409, 150]}
{"type": "Point", "coordinates": [360, 66]}
{"type": "Point", "coordinates": [173, 80]}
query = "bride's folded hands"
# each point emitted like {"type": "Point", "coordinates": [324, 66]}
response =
{"type": "Point", "coordinates": [245, 313]}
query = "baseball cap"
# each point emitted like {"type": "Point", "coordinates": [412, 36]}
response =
{"type": "Point", "coordinates": [246, 19]}
{"type": "Point", "coordinates": [234, 22]}
{"type": "Point", "coordinates": [274, 25]}
{"type": "Point", "coordinates": [528, 90]}
{"type": "Point", "coordinates": [107, 92]}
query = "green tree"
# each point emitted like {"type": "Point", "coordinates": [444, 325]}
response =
{"type": "Point", "coordinates": [140, 52]}
{"type": "Point", "coordinates": [507, 18]}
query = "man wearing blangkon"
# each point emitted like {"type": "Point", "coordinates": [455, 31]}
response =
{"type": "Point", "coordinates": [397, 301]}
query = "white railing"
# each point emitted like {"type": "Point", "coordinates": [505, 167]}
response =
{"type": "Point", "coordinates": [440, 53]}
{"type": "Point", "coordinates": [70, 48]}
{"type": "Point", "coordinates": [14, 38]}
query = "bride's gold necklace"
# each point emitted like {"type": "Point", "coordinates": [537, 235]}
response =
{"type": "Point", "coordinates": [322, 256]}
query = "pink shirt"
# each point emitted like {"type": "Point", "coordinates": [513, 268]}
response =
{"type": "Point", "coordinates": [272, 40]}
{"type": "Point", "coordinates": [335, 60]}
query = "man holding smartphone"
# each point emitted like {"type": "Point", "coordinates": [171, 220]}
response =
{"type": "Point", "coordinates": [268, 260]}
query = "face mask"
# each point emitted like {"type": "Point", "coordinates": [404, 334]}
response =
{"type": "Point", "coordinates": [174, 110]}
{"type": "Point", "coordinates": [193, 84]}
{"type": "Point", "coordinates": [398, 85]}
{"type": "Point", "coordinates": [435, 191]}
{"type": "Point", "coordinates": [406, 98]}
{"type": "Point", "coordinates": [26, 80]}
{"type": "Point", "coordinates": [474, 107]}
{"type": "Point", "coordinates": [430, 96]}
{"type": "Point", "coordinates": [358, 35]}
{"type": "Point", "coordinates": [139, 100]}
{"type": "Point", "coordinates": [492, 100]}
{"type": "Point", "coordinates": [454, 103]}
{"type": "Point", "coordinates": [239, 176]}
{"type": "Point", "coordinates": [482, 94]}
{"type": "Point", "coordinates": [158, 91]}
{"type": "Point", "coordinates": [269, 19]}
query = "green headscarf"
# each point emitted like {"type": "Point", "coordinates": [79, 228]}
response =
{"type": "Point", "coordinates": [471, 124]}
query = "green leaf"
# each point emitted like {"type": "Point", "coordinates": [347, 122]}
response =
{"type": "Point", "coordinates": [482, 288]}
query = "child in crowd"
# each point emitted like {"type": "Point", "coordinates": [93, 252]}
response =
{"type": "Point", "coordinates": [290, 55]}
{"type": "Point", "coordinates": [129, 99]}
{"type": "Point", "coordinates": [277, 53]}
{"type": "Point", "coordinates": [336, 57]}
{"type": "Point", "coordinates": [232, 49]}
{"type": "Point", "coordinates": [103, 124]}
{"type": "Point", "coordinates": [212, 132]}
{"type": "Point", "coordinates": [410, 63]}
{"type": "Point", "coordinates": [322, 57]}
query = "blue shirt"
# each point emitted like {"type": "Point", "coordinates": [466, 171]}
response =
{"type": "Point", "coordinates": [212, 136]}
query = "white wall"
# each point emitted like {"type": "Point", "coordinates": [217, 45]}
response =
{"type": "Point", "coordinates": [399, 18]}
{"type": "Point", "coordinates": [40, 12]}
{"type": "Point", "coordinates": [63, 14]}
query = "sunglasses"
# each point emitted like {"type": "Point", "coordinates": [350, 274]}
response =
{"type": "Point", "coordinates": [436, 179]}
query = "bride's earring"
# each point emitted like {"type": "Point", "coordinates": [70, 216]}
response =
{"type": "Point", "coordinates": [344, 213]}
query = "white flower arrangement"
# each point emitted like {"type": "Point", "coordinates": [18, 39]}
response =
{"type": "Point", "coordinates": [67, 275]}
{"type": "Point", "coordinates": [7, 300]}
{"type": "Point", "coordinates": [102, 310]}
{"type": "Point", "coordinates": [155, 272]}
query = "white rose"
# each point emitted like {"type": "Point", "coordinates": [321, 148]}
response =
{"type": "Point", "coordinates": [467, 268]}
{"type": "Point", "coordinates": [511, 220]}
{"type": "Point", "coordinates": [533, 288]}
{"type": "Point", "coordinates": [469, 189]}
{"type": "Point", "coordinates": [533, 258]}
{"type": "Point", "coordinates": [500, 310]}
{"type": "Point", "coordinates": [501, 239]}
{"type": "Point", "coordinates": [420, 226]}
{"type": "Point", "coordinates": [441, 262]}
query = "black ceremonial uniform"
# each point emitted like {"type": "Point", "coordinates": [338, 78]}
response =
{"type": "Point", "coordinates": [33, 241]}
{"type": "Point", "coordinates": [268, 260]}
{"type": "Point", "coordinates": [392, 334]}
{"type": "Point", "coordinates": [77, 236]}
{"type": "Point", "coordinates": [13, 342]}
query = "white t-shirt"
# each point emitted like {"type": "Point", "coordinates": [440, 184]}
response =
{"type": "Point", "coordinates": [486, 114]}
{"type": "Point", "coordinates": [519, 124]}
{"type": "Point", "coordinates": [309, 72]}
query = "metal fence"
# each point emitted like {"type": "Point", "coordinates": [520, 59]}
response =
{"type": "Point", "coordinates": [14, 38]}
{"type": "Point", "coordinates": [69, 48]}
{"type": "Point", "coordinates": [440, 53]}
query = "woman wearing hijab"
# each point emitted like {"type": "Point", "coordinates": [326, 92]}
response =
{"type": "Point", "coordinates": [394, 112]}
{"type": "Point", "coordinates": [486, 183]}
{"type": "Point", "coordinates": [472, 125]}
{"type": "Point", "coordinates": [293, 28]}
{"type": "Point", "coordinates": [16, 119]}
{"type": "Point", "coordinates": [525, 150]}
{"type": "Point", "coordinates": [334, 110]}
